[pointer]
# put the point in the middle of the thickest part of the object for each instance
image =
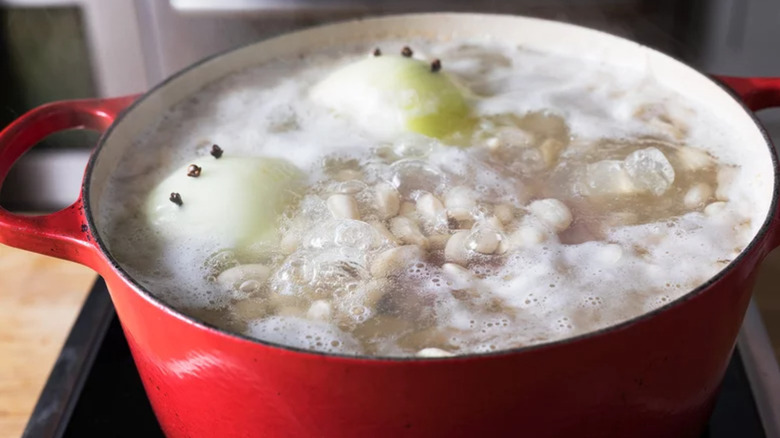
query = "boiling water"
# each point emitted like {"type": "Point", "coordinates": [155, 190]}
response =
{"type": "Point", "coordinates": [584, 195]}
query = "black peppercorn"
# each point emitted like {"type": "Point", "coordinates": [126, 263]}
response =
{"type": "Point", "coordinates": [176, 199]}
{"type": "Point", "coordinates": [194, 170]}
{"type": "Point", "coordinates": [216, 151]}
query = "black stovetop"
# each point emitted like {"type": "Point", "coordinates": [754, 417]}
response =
{"type": "Point", "coordinates": [94, 389]}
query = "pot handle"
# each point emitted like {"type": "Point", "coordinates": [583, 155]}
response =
{"type": "Point", "coordinates": [756, 93]}
{"type": "Point", "coordinates": [63, 234]}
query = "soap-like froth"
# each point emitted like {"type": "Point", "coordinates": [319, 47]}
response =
{"type": "Point", "coordinates": [557, 290]}
{"type": "Point", "coordinates": [302, 333]}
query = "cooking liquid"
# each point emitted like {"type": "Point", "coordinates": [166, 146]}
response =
{"type": "Point", "coordinates": [479, 255]}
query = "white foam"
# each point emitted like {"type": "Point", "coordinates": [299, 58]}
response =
{"type": "Point", "coordinates": [556, 290]}
{"type": "Point", "coordinates": [304, 333]}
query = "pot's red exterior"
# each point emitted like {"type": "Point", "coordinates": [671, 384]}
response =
{"type": "Point", "coordinates": [654, 377]}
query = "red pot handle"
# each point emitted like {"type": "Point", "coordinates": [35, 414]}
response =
{"type": "Point", "coordinates": [757, 93]}
{"type": "Point", "coordinates": [63, 234]}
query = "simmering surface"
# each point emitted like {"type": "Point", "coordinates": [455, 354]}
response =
{"type": "Point", "coordinates": [574, 196]}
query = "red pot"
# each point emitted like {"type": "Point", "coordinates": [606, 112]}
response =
{"type": "Point", "coordinates": [653, 376]}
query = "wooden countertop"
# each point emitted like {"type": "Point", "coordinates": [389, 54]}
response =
{"type": "Point", "coordinates": [41, 296]}
{"type": "Point", "coordinates": [39, 300]}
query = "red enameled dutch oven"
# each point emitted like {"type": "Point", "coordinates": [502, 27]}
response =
{"type": "Point", "coordinates": [653, 376]}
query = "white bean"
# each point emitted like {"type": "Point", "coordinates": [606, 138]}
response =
{"type": "Point", "coordinates": [384, 232]}
{"type": "Point", "coordinates": [550, 149]}
{"type": "Point", "coordinates": [438, 241]}
{"type": "Point", "coordinates": [460, 201]}
{"type": "Point", "coordinates": [697, 195]}
{"type": "Point", "coordinates": [455, 251]}
{"type": "Point", "coordinates": [289, 243]}
{"type": "Point", "coordinates": [714, 208]}
{"type": "Point", "coordinates": [319, 310]}
{"type": "Point", "coordinates": [407, 231]}
{"type": "Point", "coordinates": [388, 201]}
{"type": "Point", "coordinates": [460, 277]}
{"type": "Point", "coordinates": [375, 289]}
{"type": "Point", "coordinates": [234, 277]}
{"type": "Point", "coordinates": [351, 187]}
{"type": "Point", "coordinates": [494, 223]}
{"type": "Point", "coordinates": [343, 207]}
{"type": "Point", "coordinates": [693, 159]}
{"type": "Point", "coordinates": [483, 239]}
{"type": "Point", "coordinates": [512, 137]}
{"type": "Point", "coordinates": [394, 260]}
{"type": "Point", "coordinates": [526, 235]}
{"type": "Point", "coordinates": [407, 209]}
{"type": "Point", "coordinates": [349, 175]}
{"type": "Point", "coordinates": [433, 352]}
{"type": "Point", "coordinates": [505, 213]}
{"type": "Point", "coordinates": [552, 212]}
{"type": "Point", "coordinates": [430, 207]}
{"type": "Point", "coordinates": [249, 286]}
{"type": "Point", "coordinates": [503, 246]}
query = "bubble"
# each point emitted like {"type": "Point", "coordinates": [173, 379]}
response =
{"type": "Point", "coordinates": [219, 262]}
{"type": "Point", "coordinates": [414, 146]}
{"type": "Point", "coordinates": [411, 175]}
{"type": "Point", "coordinates": [594, 301]}
{"type": "Point", "coordinates": [564, 324]}
{"type": "Point", "coordinates": [301, 333]}
{"type": "Point", "coordinates": [351, 187]}
{"type": "Point", "coordinates": [355, 234]}
{"type": "Point", "coordinates": [337, 274]}
{"type": "Point", "coordinates": [650, 170]}
{"type": "Point", "coordinates": [295, 272]}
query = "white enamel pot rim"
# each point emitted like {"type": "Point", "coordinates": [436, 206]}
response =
{"type": "Point", "coordinates": [527, 32]}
